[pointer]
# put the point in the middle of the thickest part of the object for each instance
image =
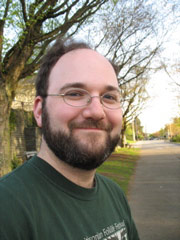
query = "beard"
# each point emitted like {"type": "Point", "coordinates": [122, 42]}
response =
{"type": "Point", "coordinates": [72, 151]}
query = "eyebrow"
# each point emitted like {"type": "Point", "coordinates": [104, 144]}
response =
{"type": "Point", "coordinates": [73, 85]}
{"type": "Point", "coordinates": [84, 86]}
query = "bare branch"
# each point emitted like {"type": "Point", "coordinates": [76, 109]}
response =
{"type": "Point", "coordinates": [45, 7]}
{"type": "Point", "coordinates": [34, 33]}
{"type": "Point", "coordinates": [23, 4]}
{"type": "Point", "coordinates": [169, 75]}
{"type": "Point", "coordinates": [2, 22]}
{"type": "Point", "coordinates": [55, 12]}
{"type": "Point", "coordinates": [29, 69]}
{"type": "Point", "coordinates": [32, 7]}
{"type": "Point", "coordinates": [6, 9]}
{"type": "Point", "coordinates": [79, 17]}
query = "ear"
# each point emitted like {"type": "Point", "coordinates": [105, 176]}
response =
{"type": "Point", "coordinates": [38, 110]}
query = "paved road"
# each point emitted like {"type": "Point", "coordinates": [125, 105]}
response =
{"type": "Point", "coordinates": [154, 194]}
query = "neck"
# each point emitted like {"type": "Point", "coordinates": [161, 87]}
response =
{"type": "Point", "coordinates": [78, 176]}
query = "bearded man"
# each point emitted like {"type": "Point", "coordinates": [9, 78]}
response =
{"type": "Point", "coordinates": [57, 194]}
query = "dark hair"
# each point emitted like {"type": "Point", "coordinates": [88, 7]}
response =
{"type": "Point", "coordinates": [59, 48]}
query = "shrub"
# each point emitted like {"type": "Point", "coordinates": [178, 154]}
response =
{"type": "Point", "coordinates": [15, 162]}
{"type": "Point", "coordinates": [176, 138]}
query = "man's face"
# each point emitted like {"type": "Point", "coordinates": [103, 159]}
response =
{"type": "Point", "coordinates": [83, 137]}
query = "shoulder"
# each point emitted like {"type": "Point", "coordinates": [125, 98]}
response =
{"type": "Point", "coordinates": [15, 186]}
{"type": "Point", "coordinates": [108, 184]}
{"type": "Point", "coordinates": [12, 187]}
{"type": "Point", "coordinates": [19, 177]}
{"type": "Point", "coordinates": [10, 178]}
{"type": "Point", "coordinates": [105, 180]}
{"type": "Point", "coordinates": [13, 179]}
{"type": "Point", "coordinates": [15, 201]}
{"type": "Point", "coordinates": [113, 193]}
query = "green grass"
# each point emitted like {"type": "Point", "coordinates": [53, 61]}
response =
{"type": "Point", "coordinates": [120, 166]}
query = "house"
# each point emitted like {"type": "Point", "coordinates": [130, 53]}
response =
{"type": "Point", "coordinates": [24, 134]}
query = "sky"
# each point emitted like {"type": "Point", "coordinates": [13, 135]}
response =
{"type": "Point", "coordinates": [163, 104]}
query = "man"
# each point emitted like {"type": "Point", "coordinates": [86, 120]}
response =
{"type": "Point", "coordinates": [57, 194]}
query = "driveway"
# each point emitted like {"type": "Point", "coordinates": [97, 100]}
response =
{"type": "Point", "coordinates": [154, 194]}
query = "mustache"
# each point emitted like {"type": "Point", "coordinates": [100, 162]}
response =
{"type": "Point", "coordinates": [90, 123]}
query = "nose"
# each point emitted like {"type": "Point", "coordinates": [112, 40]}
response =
{"type": "Point", "coordinates": [94, 109]}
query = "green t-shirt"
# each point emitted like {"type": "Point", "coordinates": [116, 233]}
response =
{"type": "Point", "coordinates": [38, 203]}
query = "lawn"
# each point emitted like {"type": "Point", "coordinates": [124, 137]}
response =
{"type": "Point", "coordinates": [120, 166]}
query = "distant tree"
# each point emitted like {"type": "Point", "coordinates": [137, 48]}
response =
{"type": "Point", "coordinates": [125, 35]}
{"type": "Point", "coordinates": [175, 127]}
{"type": "Point", "coordinates": [134, 96]}
{"type": "Point", "coordinates": [134, 130]}
{"type": "Point", "coordinates": [171, 130]}
{"type": "Point", "coordinates": [139, 134]}
{"type": "Point", "coordinates": [27, 27]}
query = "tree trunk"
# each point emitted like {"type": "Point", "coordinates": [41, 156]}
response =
{"type": "Point", "coordinates": [123, 137]}
{"type": "Point", "coordinates": [5, 153]}
{"type": "Point", "coordinates": [18, 142]}
{"type": "Point", "coordinates": [133, 131]}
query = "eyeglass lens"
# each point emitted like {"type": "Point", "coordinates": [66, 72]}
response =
{"type": "Point", "coordinates": [80, 98]}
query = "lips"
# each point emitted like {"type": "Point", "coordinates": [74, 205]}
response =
{"type": "Point", "coordinates": [90, 129]}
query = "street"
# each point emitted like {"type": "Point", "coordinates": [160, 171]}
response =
{"type": "Point", "coordinates": [154, 194]}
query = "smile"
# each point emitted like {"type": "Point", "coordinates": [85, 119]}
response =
{"type": "Point", "coordinates": [90, 129]}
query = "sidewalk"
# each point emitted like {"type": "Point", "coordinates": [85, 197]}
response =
{"type": "Point", "coordinates": [154, 195]}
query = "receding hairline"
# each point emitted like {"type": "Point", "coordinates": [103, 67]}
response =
{"type": "Point", "coordinates": [60, 49]}
{"type": "Point", "coordinates": [90, 50]}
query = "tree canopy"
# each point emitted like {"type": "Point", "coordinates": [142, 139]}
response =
{"type": "Point", "coordinates": [27, 27]}
{"type": "Point", "coordinates": [129, 33]}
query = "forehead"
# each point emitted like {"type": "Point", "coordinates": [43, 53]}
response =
{"type": "Point", "coordinates": [83, 66]}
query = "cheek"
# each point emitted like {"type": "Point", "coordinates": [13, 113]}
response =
{"type": "Point", "coordinates": [62, 114]}
{"type": "Point", "coordinates": [115, 118]}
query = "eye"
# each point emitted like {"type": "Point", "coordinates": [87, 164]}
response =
{"type": "Point", "coordinates": [110, 97]}
{"type": "Point", "coordinates": [75, 94]}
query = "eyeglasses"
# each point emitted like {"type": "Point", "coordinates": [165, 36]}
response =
{"type": "Point", "coordinates": [80, 98]}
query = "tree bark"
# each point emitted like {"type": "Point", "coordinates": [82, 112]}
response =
{"type": "Point", "coordinates": [123, 137]}
{"type": "Point", "coordinates": [5, 153]}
